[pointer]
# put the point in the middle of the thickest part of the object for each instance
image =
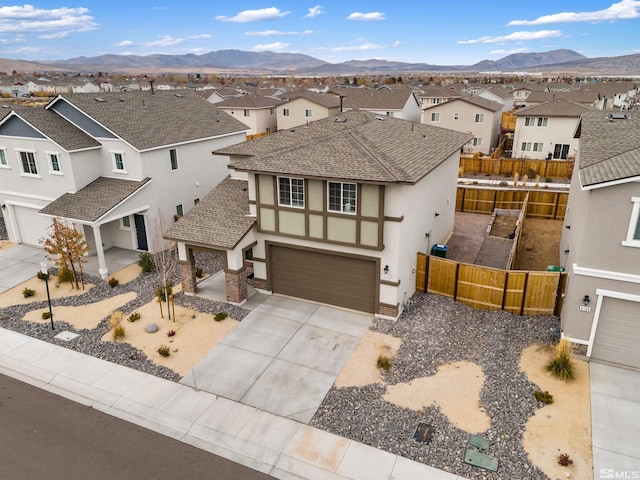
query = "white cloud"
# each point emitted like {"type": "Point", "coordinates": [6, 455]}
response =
{"type": "Point", "coordinates": [254, 15]}
{"type": "Point", "coordinates": [165, 41]}
{"type": "Point", "coordinates": [359, 48]}
{"type": "Point", "coordinates": [274, 47]}
{"type": "Point", "coordinates": [270, 33]}
{"type": "Point", "coordinates": [199, 36]}
{"type": "Point", "coordinates": [367, 17]}
{"type": "Point", "coordinates": [514, 37]}
{"type": "Point", "coordinates": [27, 19]}
{"type": "Point", "coordinates": [315, 11]}
{"type": "Point", "coordinates": [623, 10]}
{"type": "Point", "coordinates": [502, 51]}
{"type": "Point", "coordinates": [125, 43]}
{"type": "Point", "coordinates": [52, 36]}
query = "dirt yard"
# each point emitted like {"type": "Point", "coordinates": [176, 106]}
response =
{"type": "Point", "coordinates": [504, 226]}
{"type": "Point", "coordinates": [539, 244]}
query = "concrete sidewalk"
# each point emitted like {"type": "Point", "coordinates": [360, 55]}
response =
{"type": "Point", "coordinates": [260, 440]}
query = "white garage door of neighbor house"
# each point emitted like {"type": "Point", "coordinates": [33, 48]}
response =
{"type": "Point", "coordinates": [618, 333]}
{"type": "Point", "coordinates": [31, 226]}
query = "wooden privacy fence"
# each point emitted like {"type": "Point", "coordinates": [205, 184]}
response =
{"type": "Point", "coordinates": [506, 167]}
{"type": "Point", "coordinates": [548, 204]}
{"type": "Point", "coordinates": [484, 288]}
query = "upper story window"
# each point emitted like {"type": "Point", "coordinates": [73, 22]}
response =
{"type": "Point", "coordinates": [4, 163]}
{"type": "Point", "coordinates": [435, 101]}
{"type": "Point", "coordinates": [435, 116]}
{"type": "Point", "coordinates": [54, 163]}
{"type": "Point", "coordinates": [633, 233]}
{"type": "Point", "coordinates": [246, 112]}
{"type": "Point", "coordinates": [179, 210]}
{"type": "Point", "coordinates": [272, 111]}
{"type": "Point", "coordinates": [307, 112]}
{"type": "Point", "coordinates": [291, 192]}
{"type": "Point", "coordinates": [390, 114]}
{"type": "Point", "coordinates": [29, 164]}
{"type": "Point", "coordinates": [456, 116]}
{"type": "Point", "coordinates": [542, 121]}
{"type": "Point", "coordinates": [529, 121]}
{"type": "Point", "coordinates": [118, 162]}
{"type": "Point", "coordinates": [173, 155]}
{"type": "Point", "coordinates": [285, 112]}
{"type": "Point", "coordinates": [342, 197]}
{"type": "Point", "coordinates": [479, 118]}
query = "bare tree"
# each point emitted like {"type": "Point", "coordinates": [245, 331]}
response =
{"type": "Point", "coordinates": [166, 260]}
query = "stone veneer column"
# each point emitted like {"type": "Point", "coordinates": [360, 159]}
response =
{"type": "Point", "coordinates": [236, 285]}
{"type": "Point", "coordinates": [188, 273]}
{"type": "Point", "coordinates": [388, 310]}
{"type": "Point", "coordinates": [260, 283]}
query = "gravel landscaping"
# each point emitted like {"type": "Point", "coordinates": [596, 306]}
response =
{"type": "Point", "coordinates": [439, 331]}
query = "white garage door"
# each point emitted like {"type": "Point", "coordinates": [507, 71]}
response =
{"type": "Point", "coordinates": [618, 333]}
{"type": "Point", "coordinates": [31, 226]}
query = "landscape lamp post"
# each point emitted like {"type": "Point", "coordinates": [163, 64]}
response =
{"type": "Point", "coordinates": [45, 272]}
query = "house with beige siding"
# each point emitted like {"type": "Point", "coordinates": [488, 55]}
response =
{"type": "Point", "coordinates": [397, 103]}
{"type": "Point", "coordinates": [258, 113]}
{"type": "Point", "coordinates": [333, 212]}
{"type": "Point", "coordinates": [299, 108]}
{"type": "Point", "coordinates": [546, 131]}
{"type": "Point", "coordinates": [600, 243]}
{"type": "Point", "coordinates": [475, 115]}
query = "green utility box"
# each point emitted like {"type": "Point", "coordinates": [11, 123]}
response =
{"type": "Point", "coordinates": [553, 268]}
{"type": "Point", "coordinates": [439, 250]}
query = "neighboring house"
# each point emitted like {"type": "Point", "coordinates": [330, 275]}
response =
{"type": "Point", "coordinates": [83, 86]}
{"type": "Point", "coordinates": [333, 212]}
{"type": "Point", "coordinates": [586, 98]}
{"type": "Point", "coordinates": [497, 93]}
{"type": "Point", "coordinates": [601, 240]}
{"type": "Point", "coordinates": [431, 96]}
{"type": "Point", "coordinates": [258, 113]}
{"type": "Point", "coordinates": [299, 108]}
{"type": "Point", "coordinates": [472, 114]}
{"type": "Point", "coordinates": [546, 131]}
{"type": "Point", "coordinates": [397, 103]}
{"type": "Point", "coordinates": [211, 95]}
{"type": "Point", "coordinates": [112, 163]}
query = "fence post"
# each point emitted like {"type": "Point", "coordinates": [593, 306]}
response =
{"type": "Point", "coordinates": [524, 293]}
{"type": "Point", "coordinates": [455, 282]}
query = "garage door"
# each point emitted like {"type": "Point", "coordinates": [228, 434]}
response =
{"type": "Point", "coordinates": [31, 226]}
{"type": "Point", "coordinates": [618, 333]}
{"type": "Point", "coordinates": [323, 277]}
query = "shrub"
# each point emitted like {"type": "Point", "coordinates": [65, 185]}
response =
{"type": "Point", "coordinates": [113, 282]}
{"type": "Point", "coordinates": [199, 272]}
{"type": "Point", "coordinates": [164, 350]}
{"type": "Point", "coordinates": [561, 365]}
{"type": "Point", "coordinates": [564, 460]}
{"type": "Point", "coordinates": [146, 263]}
{"type": "Point", "coordinates": [384, 363]}
{"type": "Point", "coordinates": [161, 291]}
{"type": "Point", "coordinates": [544, 397]}
{"type": "Point", "coordinates": [548, 179]}
{"type": "Point", "coordinates": [115, 318]}
{"type": "Point", "coordinates": [218, 317]}
{"type": "Point", "coordinates": [118, 332]}
{"type": "Point", "coordinates": [41, 275]}
{"type": "Point", "coordinates": [46, 315]}
{"type": "Point", "coordinates": [171, 333]}
{"type": "Point", "coordinates": [65, 275]}
{"type": "Point", "coordinates": [28, 292]}
{"type": "Point", "coordinates": [133, 317]}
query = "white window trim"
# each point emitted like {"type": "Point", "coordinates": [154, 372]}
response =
{"type": "Point", "coordinates": [476, 142]}
{"type": "Point", "coordinates": [478, 118]}
{"type": "Point", "coordinates": [291, 205]}
{"type": "Point", "coordinates": [456, 116]}
{"type": "Point", "coordinates": [51, 170]}
{"type": "Point", "coordinates": [171, 160]}
{"type": "Point", "coordinates": [355, 207]}
{"type": "Point", "coordinates": [633, 222]}
{"type": "Point", "coordinates": [435, 117]}
{"type": "Point", "coordinates": [113, 160]}
{"type": "Point", "coordinates": [285, 112]}
{"type": "Point", "coordinates": [22, 172]}
{"type": "Point", "coordinates": [6, 159]}
{"type": "Point", "coordinates": [122, 225]}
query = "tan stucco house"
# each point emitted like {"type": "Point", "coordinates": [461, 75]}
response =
{"type": "Point", "coordinates": [334, 212]}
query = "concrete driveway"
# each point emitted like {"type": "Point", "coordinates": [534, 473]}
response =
{"type": "Point", "coordinates": [615, 413]}
{"type": "Point", "coordinates": [282, 358]}
{"type": "Point", "coordinates": [18, 264]}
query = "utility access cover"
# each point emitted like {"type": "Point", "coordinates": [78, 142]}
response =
{"type": "Point", "coordinates": [66, 336]}
{"type": "Point", "coordinates": [423, 433]}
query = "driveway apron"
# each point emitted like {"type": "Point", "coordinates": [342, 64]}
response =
{"type": "Point", "coordinates": [282, 358]}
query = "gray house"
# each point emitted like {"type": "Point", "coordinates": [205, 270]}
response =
{"type": "Point", "coordinates": [601, 239]}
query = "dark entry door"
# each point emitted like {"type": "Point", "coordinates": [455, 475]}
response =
{"type": "Point", "coordinates": [141, 232]}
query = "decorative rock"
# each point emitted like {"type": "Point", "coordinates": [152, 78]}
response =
{"type": "Point", "coordinates": [151, 327]}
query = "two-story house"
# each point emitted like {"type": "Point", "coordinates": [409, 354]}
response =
{"type": "Point", "coordinates": [334, 212]}
{"type": "Point", "coordinates": [546, 131]}
{"type": "Point", "coordinates": [299, 108]}
{"type": "Point", "coordinates": [112, 163]}
{"type": "Point", "coordinates": [255, 111]}
{"type": "Point", "coordinates": [601, 239]}
{"type": "Point", "coordinates": [472, 114]}
{"type": "Point", "coordinates": [399, 103]}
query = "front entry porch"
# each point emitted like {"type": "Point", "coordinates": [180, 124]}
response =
{"type": "Point", "coordinates": [115, 259]}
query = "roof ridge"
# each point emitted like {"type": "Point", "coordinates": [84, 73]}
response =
{"type": "Point", "coordinates": [355, 134]}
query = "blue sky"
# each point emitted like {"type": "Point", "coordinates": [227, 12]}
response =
{"type": "Point", "coordinates": [442, 32]}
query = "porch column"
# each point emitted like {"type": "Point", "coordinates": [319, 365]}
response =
{"type": "Point", "coordinates": [235, 276]}
{"type": "Point", "coordinates": [102, 263]}
{"type": "Point", "coordinates": [187, 267]}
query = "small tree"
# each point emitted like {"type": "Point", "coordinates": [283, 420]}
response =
{"type": "Point", "coordinates": [66, 247]}
{"type": "Point", "coordinates": [166, 260]}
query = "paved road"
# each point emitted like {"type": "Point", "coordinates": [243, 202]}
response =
{"type": "Point", "coordinates": [43, 436]}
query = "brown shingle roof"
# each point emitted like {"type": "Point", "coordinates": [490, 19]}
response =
{"type": "Point", "coordinates": [220, 219]}
{"type": "Point", "coordinates": [250, 101]}
{"type": "Point", "coordinates": [363, 98]}
{"type": "Point", "coordinates": [609, 148]}
{"type": "Point", "coordinates": [362, 148]}
{"type": "Point", "coordinates": [553, 108]}
{"type": "Point", "coordinates": [481, 102]}
{"type": "Point", "coordinates": [147, 120]}
{"type": "Point", "coordinates": [324, 99]}
{"type": "Point", "coordinates": [93, 201]}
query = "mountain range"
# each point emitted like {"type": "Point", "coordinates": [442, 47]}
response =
{"type": "Point", "coordinates": [244, 62]}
